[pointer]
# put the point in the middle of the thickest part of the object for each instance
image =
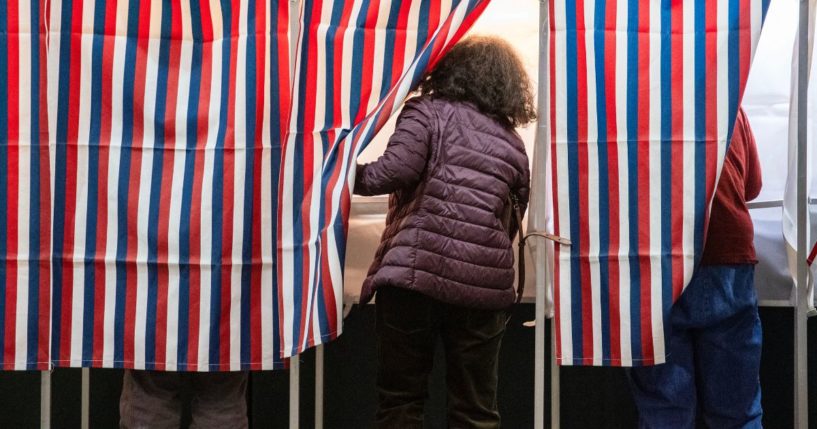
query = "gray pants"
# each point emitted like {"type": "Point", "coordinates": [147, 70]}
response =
{"type": "Point", "coordinates": [151, 399]}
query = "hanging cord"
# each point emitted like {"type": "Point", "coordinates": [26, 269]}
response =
{"type": "Point", "coordinates": [520, 257]}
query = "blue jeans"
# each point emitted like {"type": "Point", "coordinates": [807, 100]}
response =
{"type": "Point", "coordinates": [713, 360]}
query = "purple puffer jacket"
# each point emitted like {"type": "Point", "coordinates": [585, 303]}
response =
{"type": "Point", "coordinates": [449, 170]}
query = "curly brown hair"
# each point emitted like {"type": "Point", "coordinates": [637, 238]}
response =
{"type": "Point", "coordinates": [487, 72]}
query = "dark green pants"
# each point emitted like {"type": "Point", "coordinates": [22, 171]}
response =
{"type": "Point", "coordinates": [408, 325]}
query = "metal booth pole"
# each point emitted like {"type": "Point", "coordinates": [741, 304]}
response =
{"type": "Point", "coordinates": [540, 246]}
{"type": "Point", "coordinates": [294, 362]}
{"type": "Point", "coordinates": [801, 308]}
{"type": "Point", "coordinates": [45, 399]}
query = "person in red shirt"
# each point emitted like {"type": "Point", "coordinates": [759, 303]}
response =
{"type": "Point", "coordinates": [714, 337]}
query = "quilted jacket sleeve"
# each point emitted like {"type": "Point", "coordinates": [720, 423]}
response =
{"type": "Point", "coordinates": [404, 161]}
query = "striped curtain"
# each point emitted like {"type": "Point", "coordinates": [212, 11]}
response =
{"type": "Point", "coordinates": [644, 95]}
{"type": "Point", "coordinates": [190, 209]}
{"type": "Point", "coordinates": [25, 199]}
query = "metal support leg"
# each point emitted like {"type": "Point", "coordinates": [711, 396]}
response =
{"type": "Point", "coordinates": [319, 387]}
{"type": "Point", "coordinates": [555, 384]}
{"type": "Point", "coordinates": [539, 362]}
{"type": "Point", "coordinates": [86, 398]}
{"type": "Point", "coordinates": [294, 391]}
{"type": "Point", "coordinates": [45, 399]}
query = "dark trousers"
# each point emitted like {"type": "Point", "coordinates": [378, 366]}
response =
{"type": "Point", "coordinates": [151, 399]}
{"type": "Point", "coordinates": [408, 326]}
{"type": "Point", "coordinates": [713, 363]}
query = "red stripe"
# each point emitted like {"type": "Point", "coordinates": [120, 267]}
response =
{"type": "Point", "coordinates": [745, 41]}
{"type": "Point", "coordinates": [135, 183]}
{"type": "Point", "coordinates": [582, 192]}
{"type": "Point", "coordinates": [166, 187]}
{"type": "Point", "coordinates": [257, 228]}
{"type": "Point", "coordinates": [102, 194]}
{"type": "Point", "coordinates": [555, 183]}
{"type": "Point", "coordinates": [677, 152]}
{"type": "Point", "coordinates": [13, 173]}
{"type": "Point", "coordinates": [711, 104]}
{"type": "Point", "coordinates": [367, 71]}
{"type": "Point", "coordinates": [400, 42]}
{"type": "Point", "coordinates": [44, 295]}
{"type": "Point", "coordinates": [198, 181]}
{"type": "Point", "coordinates": [67, 257]}
{"type": "Point", "coordinates": [107, 68]}
{"type": "Point", "coordinates": [644, 206]}
{"type": "Point", "coordinates": [229, 189]}
{"type": "Point", "coordinates": [612, 180]}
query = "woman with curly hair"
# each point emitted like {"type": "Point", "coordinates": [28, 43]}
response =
{"type": "Point", "coordinates": [445, 265]}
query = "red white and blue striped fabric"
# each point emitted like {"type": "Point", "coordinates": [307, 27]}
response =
{"type": "Point", "coordinates": [24, 188]}
{"type": "Point", "coordinates": [200, 189]}
{"type": "Point", "coordinates": [357, 61]}
{"type": "Point", "coordinates": [644, 94]}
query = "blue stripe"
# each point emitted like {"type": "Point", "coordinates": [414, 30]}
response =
{"type": "Point", "coordinates": [187, 187]}
{"type": "Point", "coordinates": [298, 190]}
{"type": "Point", "coordinates": [422, 25]}
{"type": "Point", "coordinates": [329, 164]}
{"type": "Point", "coordinates": [733, 65]}
{"type": "Point", "coordinates": [275, 168]}
{"type": "Point", "coordinates": [573, 165]}
{"type": "Point", "coordinates": [60, 171]}
{"type": "Point", "coordinates": [34, 257]}
{"type": "Point", "coordinates": [249, 188]}
{"type": "Point", "coordinates": [4, 157]}
{"type": "Point", "coordinates": [156, 184]}
{"type": "Point", "coordinates": [667, 165]}
{"type": "Point", "coordinates": [765, 11]}
{"type": "Point", "coordinates": [388, 59]}
{"type": "Point", "coordinates": [603, 166]}
{"type": "Point", "coordinates": [632, 177]}
{"type": "Point", "coordinates": [93, 183]}
{"type": "Point", "coordinates": [700, 125]}
{"type": "Point", "coordinates": [218, 191]}
{"type": "Point", "coordinates": [124, 184]}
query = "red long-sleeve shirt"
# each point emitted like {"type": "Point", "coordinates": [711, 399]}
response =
{"type": "Point", "coordinates": [731, 234]}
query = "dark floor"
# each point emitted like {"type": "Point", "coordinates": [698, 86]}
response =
{"type": "Point", "coordinates": [591, 397]}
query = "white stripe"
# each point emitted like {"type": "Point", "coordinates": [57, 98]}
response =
{"type": "Point", "coordinates": [565, 287]}
{"type": "Point", "coordinates": [268, 354]}
{"type": "Point", "coordinates": [208, 180]}
{"type": "Point", "coordinates": [27, 43]}
{"type": "Point", "coordinates": [379, 52]}
{"type": "Point", "coordinates": [622, 77]}
{"type": "Point", "coordinates": [240, 171]}
{"type": "Point", "coordinates": [689, 149]}
{"type": "Point", "coordinates": [77, 254]}
{"type": "Point", "coordinates": [145, 183]}
{"type": "Point", "coordinates": [756, 21]}
{"type": "Point", "coordinates": [23, 262]}
{"type": "Point", "coordinates": [53, 66]}
{"type": "Point", "coordinates": [24, 190]}
{"type": "Point", "coordinates": [655, 177]}
{"type": "Point", "coordinates": [312, 240]}
{"type": "Point", "coordinates": [112, 232]}
{"type": "Point", "coordinates": [177, 189]}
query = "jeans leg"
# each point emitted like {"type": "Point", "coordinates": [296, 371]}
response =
{"type": "Point", "coordinates": [219, 400]}
{"type": "Point", "coordinates": [728, 354]}
{"type": "Point", "coordinates": [665, 394]}
{"type": "Point", "coordinates": [150, 400]}
{"type": "Point", "coordinates": [405, 353]}
{"type": "Point", "coordinates": [472, 339]}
